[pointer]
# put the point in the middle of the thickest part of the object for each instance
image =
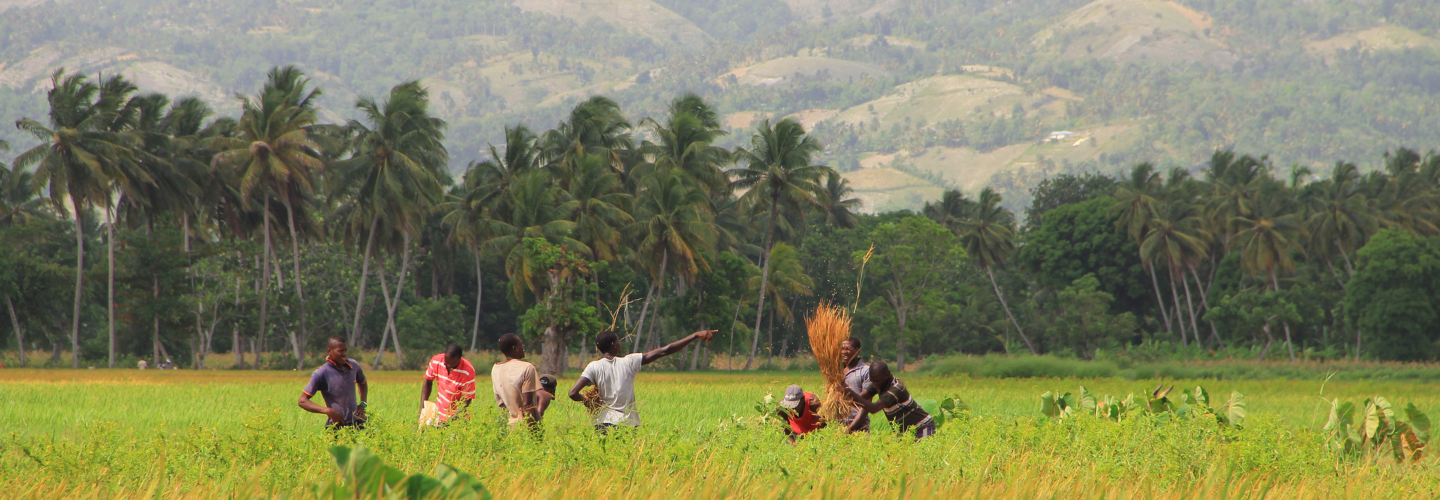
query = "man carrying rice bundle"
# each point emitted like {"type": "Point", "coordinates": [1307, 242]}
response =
{"type": "Point", "coordinates": [613, 376]}
{"type": "Point", "coordinates": [900, 408]}
{"type": "Point", "coordinates": [857, 376]}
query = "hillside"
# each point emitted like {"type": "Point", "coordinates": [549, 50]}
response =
{"type": "Point", "coordinates": [930, 95]}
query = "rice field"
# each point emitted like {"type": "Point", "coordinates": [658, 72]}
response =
{"type": "Point", "coordinates": [185, 434]}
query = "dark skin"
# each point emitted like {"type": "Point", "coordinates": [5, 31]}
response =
{"type": "Point", "coordinates": [451, 363]}
{"type": "Point", "coordinates": [532, 404]}
{"type": "Point", "coordinates": [786, 413]}
{"type": "Point", "coordinates": [338, 353]}
{"type": "Point", "coordinates": [648, 358]}
{"type": "Point", "coordinates": [880, 379]}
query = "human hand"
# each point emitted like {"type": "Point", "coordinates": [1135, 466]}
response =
{"type": "Point", "coordinates": [706, 335]}
{"type": "Point", "coordinates": [360, 413]}
{"type": "Point", "coordinates": [335, 415]}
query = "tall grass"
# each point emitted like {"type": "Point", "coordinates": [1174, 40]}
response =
{"type": "Point", "coordinates": [114, 434]}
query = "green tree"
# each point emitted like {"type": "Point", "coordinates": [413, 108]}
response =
{"type": "Point", "coordinates": [1268, 239]}
{"type": "Point", "coordinates": [1392, 296]}
{"type": "Point", "coordinates": [671, 214]}
{"type": "Point", "coordinates": [777, 173]}
{"type": "Point", "coordinates": [559, 277]}
{"type": "Point", "coordinates": [1177, 239]}
{"type": "Point", "coordinates": [1079, 319]}
{"type": "Point", "coordinates": [911, 256]}
{"type": "Point", "coordinates": [988, 236]}
{"type": "Point", "coordinates": [392, 177]}
{"type": "Point", "coordinates": [1136, 200]}
{"type": "Point", "coordinates": [81, 153]}
{"type": "Point", "coordinates": [1071, 241]}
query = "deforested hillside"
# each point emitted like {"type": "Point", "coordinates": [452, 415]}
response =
{"type": "Point", "coordinates": [935, 94]}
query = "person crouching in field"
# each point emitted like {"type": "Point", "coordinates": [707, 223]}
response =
{"type": "Point", "coordinates": [456, 378]}
{"type": "Point", "coordinates": [799, 411]}
{"type": "Point", "coordinates": [857, 374]}
{"type": "Point", "coordinates": [336, 381]}
{"type": "Point", "coordinates": [614, 377]}
{"type": "Point", "coordinates": [517, 384]}
{"type": "Point", "coordinates": [901, 409]}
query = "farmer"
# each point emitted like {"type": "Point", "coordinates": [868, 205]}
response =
{"type": "Point", "coordinates": [799, 411]}
{"type": "Point", "coordinates": [857, 374]}
{"type": "Point", "coordinates": [336, 380]}
{"type": "Point", "coordinates": [901, 409]}
{"type": "Point", "coordinates": [517, 384]}
{"type": "Point", "coordinates": [456, 378]}
{"type": "Point", "coordinates": [614, 377]}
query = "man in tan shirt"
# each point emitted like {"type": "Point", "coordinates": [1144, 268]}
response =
{"type": "Point", "coordinates": [517, 383]}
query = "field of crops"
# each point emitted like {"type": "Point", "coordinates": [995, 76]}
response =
{"type": "Point", "coordinates": [183, 434]}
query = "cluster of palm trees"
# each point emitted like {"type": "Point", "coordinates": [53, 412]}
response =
{"type": "Point", "coordinates": [659, 197]}
{"type": "Point", "coordinates": [1185, 227]}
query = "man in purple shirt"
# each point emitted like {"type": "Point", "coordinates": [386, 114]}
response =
{"type": "Point", "coordinates": [336, 381]}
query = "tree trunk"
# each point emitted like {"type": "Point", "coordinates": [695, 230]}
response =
{"type": "Point", "coordinates": [1194, 327]}
{"type": "Point", "coordinates": [79, 284]}
{"type": "Point", "coordinates": [155, 332]}
{"type": "Point", "coordinates": [237, 346]}
{"type": "Point", "coordinates": [19, 334]}
{"type": "Point", "coordinates": [553, 352]}
{"type": "Point", "coordinates": [1003, 304]}
{"type": "Point", "coordinates": [1179, 321]}
{"type": "Point", "coordinates": [1288, 344]}
{"type": "Point", "coordinates": [764, 281]}
{"type": "Point", "coordinates": [299, 287]}
{"type": "Point", "coordinates": [110, 281]}
{"type": "Point", "coordinates": [1205, 306]}
{"type": "Point", "coordinates": [479, 289]}
{"type": "Point", "coordinates": [900, 344]}
{"type": "Point", "coordinates": [770, 341]}
{"type": "Point", "coordinates": [730, 352]}
{"type": "Point", "coordinates": [659, 295]}
{"type": "Point", "coordinates": [364, 276]}
{"type": "Point", "coordinates": [1335, 274]}
{"type": "Point", "coordinates": [644, 309]}
{"type": "Point", "coordinates": [1349, 268]}
{"type": "Point", "coordinates": [264, 281]}
{"type": "Point", "coordinates": [1159, 299]}
{"type": "Point", "coordinates": [1269, 339]}
{"type": "Point", "coordinates": [391, 305]}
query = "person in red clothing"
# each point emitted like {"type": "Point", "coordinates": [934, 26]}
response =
{"type": "Point", "coordinates": [799, 411]}
{"type": "Point", "coordinates": [456, 380]}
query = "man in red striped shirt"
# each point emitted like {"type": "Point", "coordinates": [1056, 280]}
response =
{"type": "Point", "coordinates": [456, 379]}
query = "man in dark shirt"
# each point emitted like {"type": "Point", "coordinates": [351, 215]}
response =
{"type": "Point", "coordinates": [900, 408]}
{"type": "Point", "coordinates": [336, 381]}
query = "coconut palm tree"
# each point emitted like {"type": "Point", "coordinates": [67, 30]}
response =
{"type": "Point", "coordinates": [777, 173]}
{"type": "Point", "coordinates": [1340, 218]}
{"type": "Point", "coordinates": [534, 208]}
{"type": "Point", "coordinates": [1268, 239]}
{"type": "Point", "coordinates": [671, 211]}
{"type": "Point", "coordinates": [596, 126]}
{"type": "Point", "coordinates": [275, 158]}
{"type": "Point", "coordinates": [686, 142]}
{"type": "Point", "coordinates": [81, 152]}
{"type": "Point", "coordinates": [392, 177]}
{"type": "Point", "coordinates": [1136, 200]}
{"type": "Point", "coordinates": [989, 237]}
{"type": "Point", "coordinates": [838, 209]}
{"type": "Point", "coordinates": [19, 200]}
{"type": "Point", "coordinates": [1177, 238]}
{"type": "Point", "coordinates": [787, 279]}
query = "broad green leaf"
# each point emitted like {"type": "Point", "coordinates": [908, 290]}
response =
{"type": "Point", "coordinates": [1419, 422]}
{"type": "Point", "coordinates": [1087, 400]}
{"type": "Point", "coordinates": [1235, 409]}
{"type": "Point", "coordinates": [1160, 405]}
{"type": "Point", "coordinates": [1048, 405]}
{"type": "Point", "coordinates": [1202, 398]}
{"type": "Point", "coordinates": [1372, 422]}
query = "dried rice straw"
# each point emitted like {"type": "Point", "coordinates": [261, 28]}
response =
{"type": "Point", "coordinates": [827, 329]}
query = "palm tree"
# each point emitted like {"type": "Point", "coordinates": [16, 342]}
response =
{"type": "Point", "coordinates": [392, 176]}
{"type": "Point", "coordinates": [80, 154]}
{"type": "Point", "coordinates": [1135, 205]}
{"type": "Point", "coordinates": [18, 197]}
{"type": "Point", "coordinates": [1340, 218]}
{"type": "Point", "coordinates": [685, 142]}
{"type": "Point", "coordinates": [1268, 240]}
{"type": "Point", "coordinates": [1177, 238]}
{"type": "Point", "coordinates": [671, 213]}
{"type": "Point", "coordinates": [275, 157]}
{"type": "Point", "coordinates": [777, 174]}
{"type": "Point", "coordinates": [787, 278]}
{"type": "Point", "coordinates": [534, 208]}
{"type": "Point", "coordinates": [596, 126]}
{"type": "Point", "coordinates": [989, 237]}
{"type": "Point", "coordinates": [838, 209]}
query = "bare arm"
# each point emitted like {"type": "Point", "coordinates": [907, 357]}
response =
{"type": "Point", "coordinates": [863, 400]}
{"type": "Point", "coordinates": [676, 346]}
{"type": "Point", "coordinates": [545, 398]}
{"type": "Point", "coordinates": [425, 392]}
{"type": "Point", "coordinates": [310, 406]}
{"type": "Point", "coordinates": [364, 398]}
{"type": "Point", "coordinates": [579, 385]}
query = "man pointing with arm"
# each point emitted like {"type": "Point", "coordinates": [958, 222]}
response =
{"type": "Point", "coordinates": [614, 376]}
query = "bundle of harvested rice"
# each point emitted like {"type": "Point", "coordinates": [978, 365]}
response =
{"type": "Point", "coordinates": [827, 329]}
{"type": "Point", "coordinates": [591, 400]}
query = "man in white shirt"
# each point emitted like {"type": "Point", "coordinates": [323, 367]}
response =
{"type": "Point", "coordinates": [613, 376]}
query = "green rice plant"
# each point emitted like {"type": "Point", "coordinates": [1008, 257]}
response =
{"type": "Point", "coordinates": [1379, 429]}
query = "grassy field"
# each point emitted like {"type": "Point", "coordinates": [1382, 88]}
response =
{"type": "Point", "coordinates": [184, 434]}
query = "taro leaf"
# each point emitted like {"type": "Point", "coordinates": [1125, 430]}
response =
{"type": "Point", "coordinates": [1159, 394]}
{"type": "Point", "coordinates": [1235, 410]}
{"type": "Point", "coordinates": [1202, 398]}
{"type": "Point", "coordinates": [1419, 422]}
{"type": "Point", "coordinates": [1129, 402]}
{"type": "Point", "coordinates": [933, 408]}
{"type": "Point", "coordinates": [1048, 405]}
{"type": "Point", "coordinates": [341, 454]}
{"type": "Point", "coordinates": [1160, 405]}
{"type": "Point", "coordinates": [1379, 418]}
{"type": "Point", "coordinates": [948, 404]}
{"type": "Point", "coordinates": [1087, 400]}
{"type": "Point", "coordinates": [958, 405]}
{"type": "Point", "coordinates": [459, 485]}
{"type": "Point", "coordinates": [420, 486]}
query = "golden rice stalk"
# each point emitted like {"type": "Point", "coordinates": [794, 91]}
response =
{"type": "Point", "coordinates": [592, 401]}
{"type": "Point", "coordinates": [827, 329]}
